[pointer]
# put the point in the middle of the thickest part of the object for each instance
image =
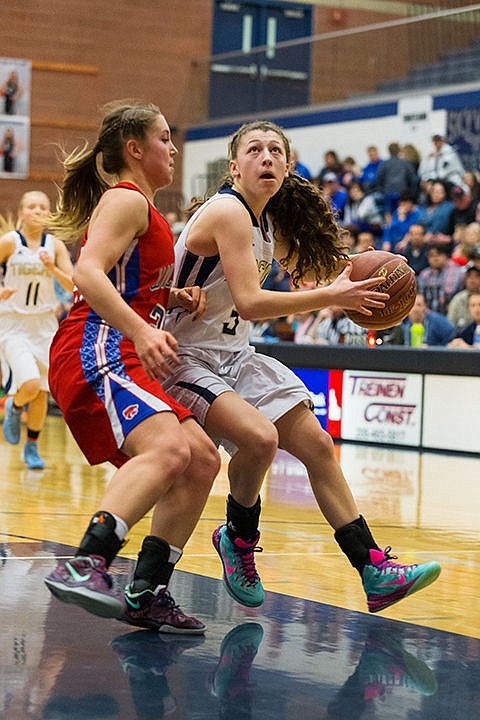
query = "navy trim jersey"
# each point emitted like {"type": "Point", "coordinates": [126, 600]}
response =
{"type": "Point", "coordinates": [220, 327]}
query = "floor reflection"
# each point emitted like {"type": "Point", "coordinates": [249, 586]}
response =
{"type": "Point", "coordinates": [291, 658]}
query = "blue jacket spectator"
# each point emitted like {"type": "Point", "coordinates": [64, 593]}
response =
{"type": "Point", "coordinates": [406, 215]}
{"type": "Point", "coordinates": [435, 216]}
{"type": "Point", "coordinates": [298, 167]}
{"type": "Point", "coordinates": [370, 171]}
{"type": "Point", "coordinates": [437, 329]}
{"type": "Point", "coordinates": [335, 194]}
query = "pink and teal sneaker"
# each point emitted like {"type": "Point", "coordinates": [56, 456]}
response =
{"type": "Point", "coordinates": [386, 582]}
{"type": "Point", "coordinates": [240, 576]}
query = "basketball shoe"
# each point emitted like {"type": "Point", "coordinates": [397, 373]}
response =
{"type": "Point", "coordinates": [84, 581]}
{"type": "Point", "coordinates": [30, 456]}
{"type": "Point", "coordinates": [145, 658]}
{"type": "Point", "coordinates": [240, 576]}
{"type": "Point", "coordinates": [11, 422]}
{"type": "Point", "coordinates": [386, 582]}
{"type": "Point", "coordinates": [384, 667]}
{"type": "Point", "coordinates": [230, 682]}
{"type": "Point", "coordinates": [158, 612]}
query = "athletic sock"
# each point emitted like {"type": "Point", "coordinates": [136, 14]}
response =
{"type": "Point", "coordinates": [32, 435]}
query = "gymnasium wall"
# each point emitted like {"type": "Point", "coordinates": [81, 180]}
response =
{"type": "Point", "coordinates": [85, 54]}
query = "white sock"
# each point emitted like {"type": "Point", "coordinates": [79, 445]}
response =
{"type": "Point", "coordinates": [175, 554]}
{"type": "Point", "coordinates": [121, 527]}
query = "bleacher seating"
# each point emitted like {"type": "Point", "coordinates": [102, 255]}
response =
{"type": "Point", "coordinates": [454, 66]}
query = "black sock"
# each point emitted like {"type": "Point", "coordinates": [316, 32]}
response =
{"type": "Point", "coordinates": [32, 434]}
{"type": "Point", "coordinates": [100, 538]}
{"type": "Point", "coordinates": [242, 522]}
{"type": "Point", "coordinates": [355, 540]}
{"type": "Point", "coordinates": [153, 567]}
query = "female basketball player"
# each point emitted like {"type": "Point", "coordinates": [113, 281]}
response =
{"type": "Point", "coordinates": [251, 401]}
{"type": "Point", "coordinates": [28, 320]}
{"type": "Point", "coordinates": [113, 350]}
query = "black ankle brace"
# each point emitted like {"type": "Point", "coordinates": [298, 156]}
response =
{"type": "Point", "coordinates": [100, 538]}
{"type": "Point", "coordinates": [242, 521]}
{"type": "Point", "coordinates": [355, 540]}
{"type": "Point", "coordinates": [153, 567]}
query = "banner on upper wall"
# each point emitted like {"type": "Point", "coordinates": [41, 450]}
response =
{"type": "Point", "coordinates": [463, 132]}
{"type": "Point", "coordinates": [15, 94]}
{"type": "Point", "coordinates": [382, 407]}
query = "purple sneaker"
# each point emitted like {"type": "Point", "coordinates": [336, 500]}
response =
{"type": "Point", "coordinates": [84, 581]}
{"type": "Point", "coordinates": [158, 612]}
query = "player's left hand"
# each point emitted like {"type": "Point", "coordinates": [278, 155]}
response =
{"type": "Point", "coordinates": [47, 260]}
{"type": "Point", "coordinates": [193, 299]}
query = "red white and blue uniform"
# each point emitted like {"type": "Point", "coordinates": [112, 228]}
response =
{"type": "Point", "coordinates": [95, 374]}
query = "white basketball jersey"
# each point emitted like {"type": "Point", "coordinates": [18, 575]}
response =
{"type": "Point", "coordinates": [220, 327]}
{"type": "Point", "coordinates": [28, 275]}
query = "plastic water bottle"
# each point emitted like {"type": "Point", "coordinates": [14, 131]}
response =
{"type": "Point", "coordinates": [416, 335]}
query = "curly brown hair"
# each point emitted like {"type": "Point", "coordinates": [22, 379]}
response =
{"type": "Point", "coordinates": [302, 217]}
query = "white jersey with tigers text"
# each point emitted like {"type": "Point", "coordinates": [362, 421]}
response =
{"type": "Point", "coordinates": [33, 282]}
{"type": "Point", "coordinates": [221, 326]}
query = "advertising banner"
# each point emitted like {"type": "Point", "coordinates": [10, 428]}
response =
{"type": "Point", "coordinates": [325, 387]}
{"type": "Point", "coordinates": [382, 407]}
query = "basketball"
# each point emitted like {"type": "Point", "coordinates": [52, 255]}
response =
{"type": "Point", "coordinates": [398, 281]}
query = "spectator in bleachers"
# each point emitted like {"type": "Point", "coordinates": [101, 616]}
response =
{"type": "Point", "coordinates": [277, 278]}
{"type": "Point", "coordinates": [334, 194]}
{"type": "Point", "coordinates": [464, 208]}
{"type": "Point", "coordinates": [459, 306]}
{"type": "Point", "coordinates": [441, 280]}
{"type": "Point", "coordinates": [370, 170]}
{"type": "Point", "coordinates": [332, 327]}
{"type": "Point", "coordinates": [406, 215]}
{"type": "Point", "coordinates": [298, 167]}
{"type": "Point", "coordinates": [365, 240]}
{"type": "Point", "coordinates": [437, 329]}
{"type": "Point", "coordinates": [414, 248]}
{"type": "Point", "coordinates": [409, 152]}
{"type": "Point", "coordinates": [435, 214]}
{"type": "Point", "coordinates": [332, 165]}
{"type": "Point", "coordinates": [350, 173]}
{"type": "Point", "coordinates": [361, 212]}
{"type": "Point", "coordinates": [395, 176]}
{"type": "Point", "coordinates": [469, 239]}
{"type": "Point", "coordinates": [471, 182]}
{"type": "Point", "coordinates": [469, 337]}
{"type": "Point", "coordinates": [442, 162]}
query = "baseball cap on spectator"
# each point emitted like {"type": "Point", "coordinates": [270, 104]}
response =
{"type": "Point", "coordinates": [438, 135]}
{"type": "Point", "coordinates": [330, 177]}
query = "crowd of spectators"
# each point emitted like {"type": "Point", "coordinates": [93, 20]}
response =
{"type": "Point", "coordinates": [426, 209]}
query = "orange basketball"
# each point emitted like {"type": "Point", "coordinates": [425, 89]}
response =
{"type": "Point", "coordinates": [398, 281]}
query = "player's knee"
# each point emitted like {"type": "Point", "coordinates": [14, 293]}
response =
{"type": "Point", "coordinates": [205, 465]}
{"type": "Point", "coordinates": [30, 389]}
{"type": "Point", "coordinates": [262, 440]}
{"type": "Point", "coordinates": [173, 456]}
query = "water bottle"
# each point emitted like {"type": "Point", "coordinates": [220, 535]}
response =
{"type": "Point", "coordinates": [416, 335]}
